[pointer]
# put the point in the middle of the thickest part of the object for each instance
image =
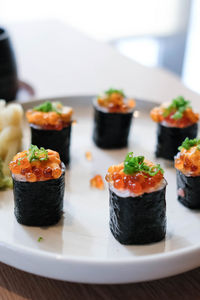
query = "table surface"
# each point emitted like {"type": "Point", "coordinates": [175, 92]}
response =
{"type": "Point", "coordinates": [18, 285]}
{"type": "Point", "coordinates": [59, 61]}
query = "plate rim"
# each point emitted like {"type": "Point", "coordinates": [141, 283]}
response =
{"type": "Point", "coordinates": [98, 261]}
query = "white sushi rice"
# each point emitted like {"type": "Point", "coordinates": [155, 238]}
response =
{"type": "Point", "coordinates": [19, 177]}
{"type": "Point", "coordinates": [166, 124]}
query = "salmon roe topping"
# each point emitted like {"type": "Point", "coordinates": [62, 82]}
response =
{"type": "Point", "coordinates": [36, 170]}
{"type": "Point", "coordinates": [188, 161]}
{"type": "Point", "coordinates": [52, 119]}
{"type": "Point", "coordinates": [137, 183]}
{"type": "Point", "coordinates": [97, 182]}
{"type": "Point", "coordinates": [88, 155]}
{"type": "Point", "coordinates": [115, 102]}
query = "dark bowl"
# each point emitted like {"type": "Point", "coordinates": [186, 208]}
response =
{"type": "Point", "coordinates": [8, 68]}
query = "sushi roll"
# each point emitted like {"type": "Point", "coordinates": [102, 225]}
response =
{"type": "Point", "coordinates": [113, 115]}
{"type": "Point", "coordinates": [176, 121]}
{"type": "Point", "coordinates": [187, 164]}
{"type": "Point", "coordinates": [50, 125]}
{"type": "Point", "coordinates": [137, 201]}
{"type": "Point", "coordinates": [38, 186]}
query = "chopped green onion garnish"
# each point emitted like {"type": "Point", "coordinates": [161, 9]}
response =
{"type": "Point", "coordinates": [40, 239]}
{"type": "Point", "coordinates": [188, 143]}
{"type": "Point", "coordinates": [19, 161]}
{"type": "Point", "coordinates": [178, 106]}
{"type": "Point", "coordinates": [134, 164]}
{"type": "Point", "coordinates": [47, 107]}
{"type": "Point", "coordinates": [34, 153]}
{"type": "Point", "coordinates": [111, 91]}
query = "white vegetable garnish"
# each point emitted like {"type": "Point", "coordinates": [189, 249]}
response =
{"type": "Point", "coordinates": [10, 132]}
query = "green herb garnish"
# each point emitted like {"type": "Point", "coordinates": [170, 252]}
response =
{"type": "Point", "coordinates": [5, 181]}
{"type": "Point", "coordinates": [34, 153]}
{"type": "Point", "coordinates": [178, 105]}
{"type": "Point", "coordinates": [40, 239]}
{"type": "Point", "coordinates": [47, 107]}
{"type": "Point", "coordinates": [189, 143]}
{"type": "Point", "coordinates": [134, 164]}
{"type": "Point", "coordinates": [111, 91]}
{"type": "Point", "coordinates": [19, 161]}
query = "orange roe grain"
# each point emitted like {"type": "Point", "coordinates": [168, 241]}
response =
{"type": "Point", "coordinates": [88, 155]}
{"type": "Point", "coordinates": [97, 182]}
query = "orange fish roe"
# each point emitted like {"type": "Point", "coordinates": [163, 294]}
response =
{"type": "Point", "coordinates": [88, 155]}
{"type": "Point", "coordinates": [115, 102]}
{"type": "Point", "coordinates": [74, 122]}
{"type": "Point", "coordinates": [157, 114]}
{"type": "Point", "coordinates": [137, 183]}
{"type": "Point", "coordinates": [55, 120]}
{"type": "Point", "coordinates": [188, 161]}
{"type": "Point", "coordinates": [36, 170]}
{"type": "Point", "coordinates": [97, 182]}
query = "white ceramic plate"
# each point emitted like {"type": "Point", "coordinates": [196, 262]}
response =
{"type": "Point", "coordinates": [81, 248]}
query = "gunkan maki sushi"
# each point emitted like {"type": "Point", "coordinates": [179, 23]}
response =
{"type": "Point", "coordinates": [113, 114]}
{"type": "Point", "coordinates": [50, 125]}
{"type": "Point", "coordinates": [187, 164]}
{"type": "Point", "coordinates": [38, 186]}
{"type": "Point", "coordinates": [176, 121]}
{"type": "Point", "coordinates": [137, 201]}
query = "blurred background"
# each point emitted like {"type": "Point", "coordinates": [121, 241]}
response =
{"type": "Point", "coordinates": [154, 33]}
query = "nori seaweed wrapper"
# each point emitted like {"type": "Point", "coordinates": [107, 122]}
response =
{"type": "Point", "coordinates": [138, 220]}
{"type": "Point", "coordinates": [39, 203]}
{"type": "Point", "coordinates": [111, 130]}
{"type": "Point", "coordinates": [188, 189]}
{"type": "Point", "coordinates": [58, 140]}
{"type": "Point", "coordinates": [170, 138]}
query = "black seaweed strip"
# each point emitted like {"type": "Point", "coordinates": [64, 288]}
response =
{"type": "Point", "coordinates": [39, 203]}
{"type": "Point", "coordinates": [111, 130]}
{"type": "Point", "coordinates": [190, 188]}
{"type": "Point", "coordinates": [138, 220]}
{"type": "Point", "coordinates": [170, 138]}
{"type": "Point", "coordinates": [58, 140]}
